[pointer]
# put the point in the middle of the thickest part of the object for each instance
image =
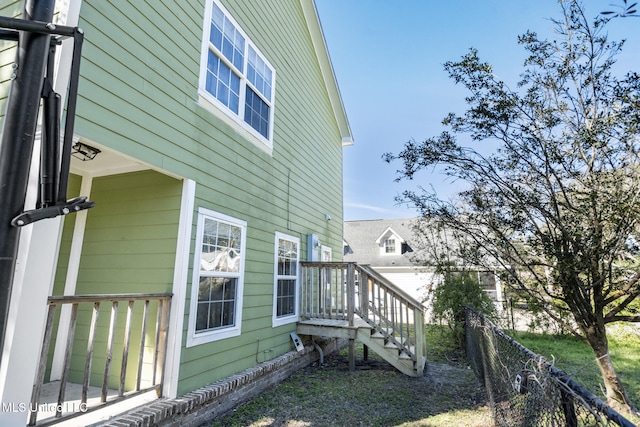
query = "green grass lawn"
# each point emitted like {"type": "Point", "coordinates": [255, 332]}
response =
{"type": "Point", "coordinates": [577, 359]}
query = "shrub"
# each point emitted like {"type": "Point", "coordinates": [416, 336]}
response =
{"type": "Point", "coordinates": [457, 290]}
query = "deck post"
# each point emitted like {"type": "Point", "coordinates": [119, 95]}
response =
{"type": "Point", "coordinates": [351, 293]}
{"type": "Point", "coordinates": [351, 305]}
{"type": "Point", "coordinates": [363, 287]}
{"type": "Point", "coordinates": [421, 345]}
{"type": "Point", "coordinates": [352, 354]}
{"type": "Point", "coordinates": [37, 386]}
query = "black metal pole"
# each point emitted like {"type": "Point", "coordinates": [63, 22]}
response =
{"type": "Point", "coordinates": [50, 138]}
{"type": "Point", "coordinates": [16, 145]}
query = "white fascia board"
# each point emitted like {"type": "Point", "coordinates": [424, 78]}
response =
{"type": "Point", "coordinates": [387, 232]}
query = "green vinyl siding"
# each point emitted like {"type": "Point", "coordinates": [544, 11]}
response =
{"type": "Point", "coordinates": [139, 97]}
{"type": "Point", "coordinates": [290, 192]}
{"type": "Point", "coordinates": [129, 247]}
{"type": "Point", "coordinates": [8, 50]}
{"type": "Point", "coordinates": [130, 237]}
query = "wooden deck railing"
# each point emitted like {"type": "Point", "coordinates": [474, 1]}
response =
{"type": "Point", "coordinates": [336, 290]}
{"type": "Point", "coordinates": [138, 309]}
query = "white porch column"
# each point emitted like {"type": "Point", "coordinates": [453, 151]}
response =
{"type": "Point", "coordinates": [181, 270]}
{"type": "Point", "coordinates": [70, 283]}
{"type": "Point", "coordinates": [27, 316]}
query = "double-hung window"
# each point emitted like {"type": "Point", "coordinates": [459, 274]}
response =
{"type": "Point", "coordinates": [235, 76]}
{"type": "Point", "coordinates": [287, 256]}
{"type": "Point", "coordinates": [216, 298]}
{"type": "Point", "coordinates": [390, 246]}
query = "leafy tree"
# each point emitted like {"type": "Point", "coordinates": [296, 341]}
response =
{"type": "Point", "coordinates": [558, 202]}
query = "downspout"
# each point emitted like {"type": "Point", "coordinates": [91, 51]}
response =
{"type": "Point", "coordinates": [317, 347]}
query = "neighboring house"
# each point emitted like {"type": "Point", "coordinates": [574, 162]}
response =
{"type": "Point", "coordinates": [391, 247]}
{"type": "Point", "coordinates": [220, 131]}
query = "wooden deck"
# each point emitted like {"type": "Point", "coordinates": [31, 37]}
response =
{"type": "Point", "coordinates": [354, 302]}
{"type": "Point", "coordinates": [333, 328]}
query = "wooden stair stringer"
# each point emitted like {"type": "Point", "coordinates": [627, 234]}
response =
{"type": "Point", "coordinates": [367, 335]}
{"type": "Point", "coordinates": [391, 354]}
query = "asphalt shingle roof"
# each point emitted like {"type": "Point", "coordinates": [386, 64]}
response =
{"type": "Point", "coordinates": [361, 236]}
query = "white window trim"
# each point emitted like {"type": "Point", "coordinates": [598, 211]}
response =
{"type": "Point", "coordinates": [220, 110]}
{"type": "Point", "coordinates": [395, 245]}
{"type": "Point", "coordinates": [284, 320]}
{"type": "Point", "coordinates": [382, 242]}
{"type": "Point", "coordinates": [194, 338]}
{"type": "Point", "coordinates": [387, 235]}
{"type": "Point", "coordinates": [326, 250]}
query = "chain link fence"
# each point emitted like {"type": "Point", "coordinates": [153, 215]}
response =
{"type": "Point", "coordinates": [524, 389]}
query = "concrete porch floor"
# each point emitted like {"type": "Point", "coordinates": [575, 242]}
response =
{"type": "Point", "coordinates": [91, 413]}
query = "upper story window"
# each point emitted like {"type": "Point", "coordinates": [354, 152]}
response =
{"type": "Point", "coordinates": [218, 273]}
{"type": "Point", "coordinates": [390, 246]}
{"type": "Point", "coordinates": [235, 76]}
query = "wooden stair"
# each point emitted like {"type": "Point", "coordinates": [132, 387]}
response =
{"type": "Point", "coordinates": [375, 339]}
{"type": "Point", "coordinates": [347, 300]}
{"type": "Point", "coordinates": [391, 352]}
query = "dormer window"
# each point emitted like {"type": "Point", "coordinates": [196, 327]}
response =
{"type": "Point", "coordinates": [390, 246]}
{"type": "Point", "coordinates": [391, 243]}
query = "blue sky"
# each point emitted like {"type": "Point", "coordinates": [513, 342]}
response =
{"type": "Point", "coordinates": [388, 57]}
